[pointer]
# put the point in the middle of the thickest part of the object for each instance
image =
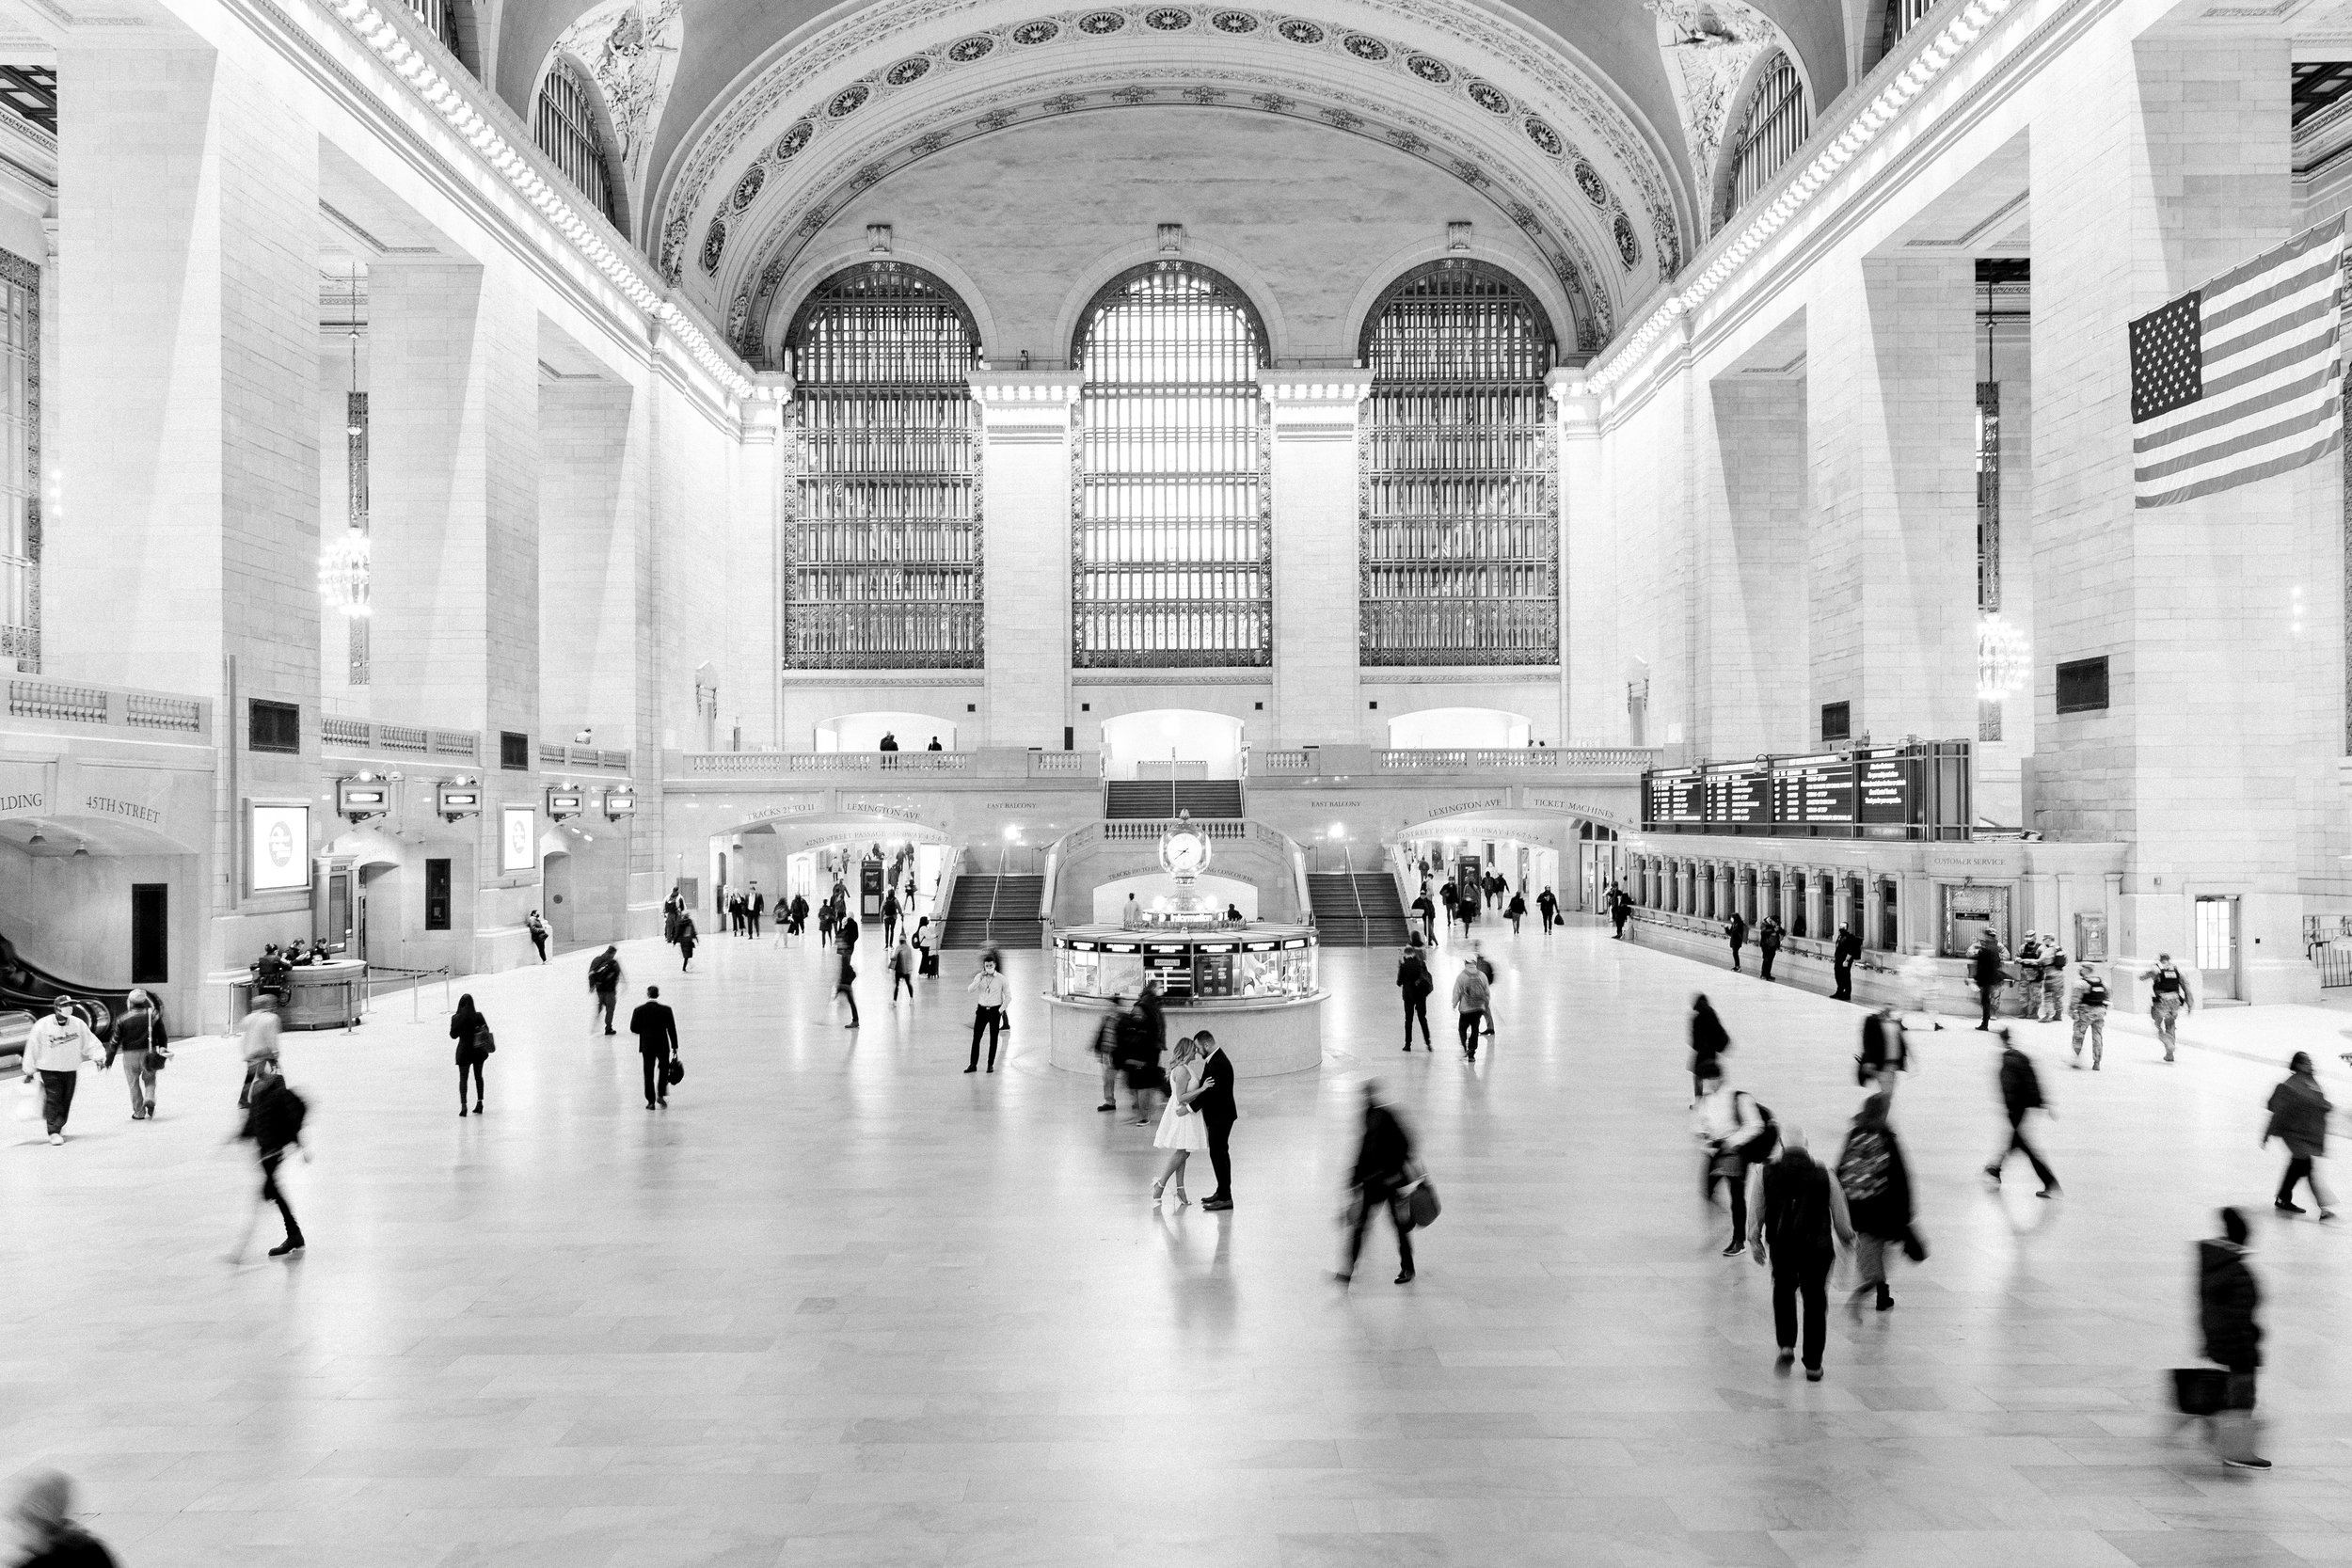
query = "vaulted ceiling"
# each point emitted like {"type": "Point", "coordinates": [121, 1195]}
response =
{"type": "Point", "coordinates": [1563, 113]}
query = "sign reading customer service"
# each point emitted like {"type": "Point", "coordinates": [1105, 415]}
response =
{"type": "Point", "coordinates": [277, 841]}
{"type": "Point", "coordinates": [519, 838]}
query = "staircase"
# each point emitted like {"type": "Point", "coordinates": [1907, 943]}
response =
{"type": "Point", "coordinates": [1158, 799]}
{"type": "Point", "coordinates": [995, 911]}
{"type": "Point", "coordinates": [1357, 911]}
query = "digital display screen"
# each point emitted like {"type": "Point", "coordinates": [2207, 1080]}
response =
{"type": "Point", "coordinates": [1815, 791]}
{"type": "Point", "coordinates": [1918, 789]}
{"type": "Point", "coordinates": [1677, 796]}
{"type": "Point", "coordinates": [1884, 785]}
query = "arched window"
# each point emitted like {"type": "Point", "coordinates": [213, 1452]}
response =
{"type": "Point", "coordinates": [441, 18]}
{"type": "Point", "coordinates": [1461, 536]}
{"type": "Point", "coordinates": [567, 131]}
{"type": "Point", "coordinates": [1174, 547]}
{"type": "Point", "coordinates": [884, 543]}
{"type": "Point", "coordinates": [1774, 126]}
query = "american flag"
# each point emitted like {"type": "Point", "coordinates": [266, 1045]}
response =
{"type": "Point", "coordinates": [2239, 380]}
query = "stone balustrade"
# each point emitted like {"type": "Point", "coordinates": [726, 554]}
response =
{"type": "Point", "coordinates": [130, 712]}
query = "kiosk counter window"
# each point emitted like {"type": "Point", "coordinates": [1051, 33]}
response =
{"type": "Point", "coordinates": [1209, 969]}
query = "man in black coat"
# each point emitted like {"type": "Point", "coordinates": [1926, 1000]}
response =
{"type": "Point", "coordinates": [1767, 939]}
{"type": "Point", "coordinates": [1843, 955]}
{"type": "Point", "coordinates": [2226, 1300]}
{"type": "Point", "coordinates": [2021, 1094]}
{"type": "Point", "coordinates": [1736, 932]}
{"type": "Point", "coordinates": [1213, 1101]}
{"type": "Point", "coordinates": [1985, 968]}
{"type": "Point", "coordinates": [1382, 1176]}
{"type": "Point", "coordinates": [655, 1028]}
{"type": "Point", "coordinates": [759, 911]}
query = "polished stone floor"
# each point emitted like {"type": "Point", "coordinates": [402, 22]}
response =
{"type": "Point", "coordinates": [842, 1304]}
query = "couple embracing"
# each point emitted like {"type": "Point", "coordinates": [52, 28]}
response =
{"type": "Point", "coordinates": [1198, 1115]}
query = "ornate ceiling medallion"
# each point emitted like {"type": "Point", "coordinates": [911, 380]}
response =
{"type": "Point", "coordinates": [747, 188]}
{"type": "Point", "coordinates": [848, 101]}
{"type": "Point", "coordinates": [1035, 32]}
{"type": "Point", "coordinates": [1299, 32]}
{"type": "Point", "coordinates": [907, 71]}
{"type": "Point", "coordinates": [1167, 19]}
{"type": "Point", "coordinates": [1589, 182]}
{"type": "Point", "coordinates": [1101, 24]}
{"type": "Point", "coordinates": [1432, 71]}
{"type": "Point", "coordinates": [1628, 245]}
{"type": "Point", "coordinates": [1542, 136]}
{"type": "Point", "coordinates": [1489, 98]}
{"type": "Point", "coordinates": [794, 139]}
{"type": "Point", "coordinates": [964, 51]}
{"type": "Point", "coordinates": [1365, 49]}
{"type": "Point", "coordinates": [1235, 22]}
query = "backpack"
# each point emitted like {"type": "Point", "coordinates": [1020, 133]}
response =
{"type": "Point", "coordinates": [1761, 1143]}
{"type": "Point", "coordinates": [604, 974]}
{"type": "Point", "coordinates": [1866, 1170]}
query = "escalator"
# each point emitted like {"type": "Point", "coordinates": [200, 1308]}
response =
{"type": "Point", "coordinates": [26, 992]}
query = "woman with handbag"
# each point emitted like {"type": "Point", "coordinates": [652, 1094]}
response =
{"type": "Point", "coordinates": [137, 1037]}
{"type": "Point", "coordinates": [475, 1042]}
{"type": "Point", "coordinates": [1877, 1184]}
{"type": "Point", "coordinates": [1383, 1178]}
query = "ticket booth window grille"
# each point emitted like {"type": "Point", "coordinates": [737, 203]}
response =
{"type": "Point", "coordinates": [565, 128]}
{"type": "Point", "coordinates": [884, 539]}
{"type": "Point", "coordinates": [1459, 558]}
{"type": "Point", "coordinates": [1173, 538]}
{"type": "Point", "coordinates": [1774, 126]}
{"type": "Point", "coordinates": [20, 464]}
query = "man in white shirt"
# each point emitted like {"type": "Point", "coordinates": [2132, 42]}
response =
{"type": "Point", "coordinates": [56, 1048]}
{"type": "Point", "coordinates": [1724, 1121]}
{"type": "Point", "coordinates": [990, 994]}
{"type": "Point", "coordinates": [259, 1043]}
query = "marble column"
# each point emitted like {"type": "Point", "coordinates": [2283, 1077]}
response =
{"type": "Point", "coordinates": [1025, 540]}
{"type": "Point", "coordinates": [1592, 657]}
{"type": "Point", "coordinates": [1317, 533]}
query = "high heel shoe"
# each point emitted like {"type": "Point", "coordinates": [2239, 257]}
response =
{"type": "Point", "coordinates": [1181, 1201]}
{"type": "Point", "coordinates": [1155, 1193]}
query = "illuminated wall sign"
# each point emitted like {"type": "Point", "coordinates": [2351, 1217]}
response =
{"type": "Point", "coordinates": [564, 803]}
{"type": "Point", "coordinates": [361, 799]}
{"type": "Point", "coordinates": [277, 845]}
{"type": "Point", "coordinates": [519, 838]}
{"type": "Point", "coordinates": [454, 800]}
{"type": "Point", "coordinates": [618, 803]}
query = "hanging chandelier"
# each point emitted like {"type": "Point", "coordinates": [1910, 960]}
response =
{"type": "Point", "coordinates": [2004, 658]}
{"type": "Point", "coordinates": [343, 574]}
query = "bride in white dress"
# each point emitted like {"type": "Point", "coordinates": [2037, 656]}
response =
{"type": "Point", "coordinates": [1182, 1132]}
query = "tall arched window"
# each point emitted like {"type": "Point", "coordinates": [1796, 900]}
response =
{"type": "Point", "coordinates": [1460, 527]}
{"type": "Point", "coordinates": [1174, 547]}
{"type": "Point", "coordinates": [1770, 132]}
{"type": "Point", "coordinates": [883, 544]}
{"type": "Point", "coordinates": [567, 131]}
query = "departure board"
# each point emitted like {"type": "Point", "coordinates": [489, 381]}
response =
{"type": "Point", "coordinates": [1916, 790]}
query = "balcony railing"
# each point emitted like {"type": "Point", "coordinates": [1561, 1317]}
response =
{"type": "Point", "coordinates": [566, 759]}
{"type": "Point", "coordinates": [767, 764]}
{"type": "Point", "coordinates": [1555, 759]}
{"type": "Point", "coordinates": [148, 715]}
{"type": "Point", "coordinates": [342, 734]}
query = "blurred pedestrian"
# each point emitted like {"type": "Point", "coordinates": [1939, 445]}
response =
{"type": "Point", "coordinates": [902, 963]}
{"type": "Point", "coordinates": [472, 1032]}
{"type": "Point", "coordinates": [655, 1028]}
{"type": "Point", "coordinates": [844, 974]}
{"type": "Point", "coordinates": [1733, 1131]}
{"type": "Point", "coordinates": [56, 1048]}
{"type": "Point", "coordinates": [1414, 983]}
{"type": "Point", "coordinates": [1886, 1051]}
{"type": "Point", "coordinates": [1986, 969]}
{"type": "Point", "coordinates": [1710, 1039]}
{"type": "Point", "coordinates": [604, 983]}
{"type": "Point", "coordinates": [2091, 1016]}
{"type": "Point", "coordinates": [1106, 1046]}
{"type": "Point", "coordinates": [1382, 1180]}
{"type": "Point", "coordinates": [138, 1037]}
{"type": "Point", "coordinates": [2167, 998]}
{"type": "Point", "coordinates": [1876, 1181]}
{"type": "Point", "coordinates": [1183, 1132]}
{"type": "Point", "coordinates": [686, 937]}
{"type": "Point", "coordinates": [1800, 1223]}
{"type": "Point", "coordinates": [2298, 1119]}
{"type": "Point", "coordinates": [2021, 1096]}
{"type": "Point", "coordinates": [1515, 912]}
{"type": "Point", "coordinates": [538, 926]}
{"type": "Point", "coordinates": [43, 1514]}
{"type": "Point", "coordinates": [1620, 910]}
{"type": "Point", "coordinates": [273, 1125]}
{"type": "Point", "coordinates": [258, 1043]}
{"type": "Point", "coordinates": [1843, 955]}
{"type": "Point", "coordinates": [990, 996]}
{"type": "Point", "coordinates": [2228, 1300]}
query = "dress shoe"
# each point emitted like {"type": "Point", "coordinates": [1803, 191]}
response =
{"type": "Point", "coordinates": [2284, 1207]}
{"type": "Point", "coordinates": [1216, 1203]}
{"type": "Point", "coordinates": [1784, 1360]}
{"type": "Point", "coordinates": [292, 1244]}
{"type": "Point", "coordinates": [1404, 1279]}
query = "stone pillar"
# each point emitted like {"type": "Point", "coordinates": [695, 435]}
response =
{"type": "Point", "coordinates": [591, 512]}
{"type": "Point", "coordinates": [1592, 659]}
{"type": "Point", "coordinates": [454, 436]}
{"type": "Point", "coordinates": [1891, 363]}
{"type": "Point", "coordinates": [1751, 535]}
{"type": "Point", "coordinates": [186, 441]}
{"type": "Point", "coordinates": [1024, 540]}
{"type": "Point", "coordinates": [755, 566]}
{"type": "Point", "coordinates": [2171, 153]}
{"type": "Point", "coordinates": [1316, 530]}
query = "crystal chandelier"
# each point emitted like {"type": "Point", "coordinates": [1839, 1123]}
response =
{"type": "Point", "coordinates": [2003, 659]}
{"type": "Point", "coordinates": [343, 574]}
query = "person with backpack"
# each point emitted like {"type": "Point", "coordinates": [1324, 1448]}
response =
{"type": "Point", "coordinates": [2298, 1119]}
{"type": "Point", "coordinates": [2090, 1017]}
{"type": "Point", "coordinates": [1486, 967]}
{"type": "Point", "coordinates": [890, 912]}
{"type": "Point", "coordinates": [472, 1032]}
{"type": "Point", "coordinates": [2228, 1298]}
{"type": "Point", "coordinates": [1886, 1051]}
{"type": "Point", "coordinates": [2021, 1096]}
{"type": "Point", "coordinates": [1801, 1221]}
{"type": "Point", "coordinates": [1734, 1130]}
{"type": "Point", "coordinates": [2050, 1007]}
{"type": "Point", "coordinates": [902, 962]}
{"type": "Point", "coordinates": [1452, 898]}
{"type": "Point", "coordinates": [273, 1125]}
{"type": "Point", "coordinates": [1876, 1181]}
{"type": "Point", "coordinates": [2167, 998]}
{"type": "Point", "coordinates": [604, 983]}
{"type": "Point", "coordinates": [798, 920]}
{"type": "Point", "coordinates": [1414, 982]}
{"type": "Point", "coordinates": [1844, 953]}
{"type": "Point", "coordinates": [1985, 967]}
{"type": "Point", "coordinates": [1471, 998]}
{"type": "Point", "coordinates": [1547, 906]}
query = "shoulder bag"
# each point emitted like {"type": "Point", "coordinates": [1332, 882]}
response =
{"type": "Point", "coordinates": [675, 1072]}
{"type": "Point", "coordinates": [1421, 1204]}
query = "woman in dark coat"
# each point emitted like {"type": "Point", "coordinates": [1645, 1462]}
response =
{"type": "Point", "coordinates": [1708, 1040]}
{"type": "Point", "coordinates": [2298, 1119]}
{"type": "Point", "coordinates": [2227, 1299]}
{"type": "Point", "coordinates": [470, 1030]}
{"type": "Point", "coordinates": [1877, 1182]}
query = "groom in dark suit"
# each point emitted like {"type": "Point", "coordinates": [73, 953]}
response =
{"type": "Point", "coordinates": [1213, 1102]}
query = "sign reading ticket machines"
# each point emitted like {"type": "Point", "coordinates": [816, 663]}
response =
{"type": "Point", "coordinates": [519, 838]}
{"type": "Point", "coordinates": [278, 840]}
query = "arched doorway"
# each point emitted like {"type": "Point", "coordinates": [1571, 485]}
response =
{"type": "Point", "coordinates": [1471, 728]}
{"type": "Point", "coordinates": [863, 731]}
{"type": "Point", "coordinates": [555, 893]}
{"type": "Point", "coordinates": [1181, 743]}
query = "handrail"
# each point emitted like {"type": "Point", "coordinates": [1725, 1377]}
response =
{"type": "Point", "coordinates": [1347, 859]}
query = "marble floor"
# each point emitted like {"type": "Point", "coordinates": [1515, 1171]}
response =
{"type": "Point", "coordinates": [841, 1304]}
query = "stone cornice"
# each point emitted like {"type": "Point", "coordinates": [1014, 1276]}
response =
{"type": "Point", "coordinates": [1297, 389]}
{"type": "Point", "coordinates": [1035, 390]}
